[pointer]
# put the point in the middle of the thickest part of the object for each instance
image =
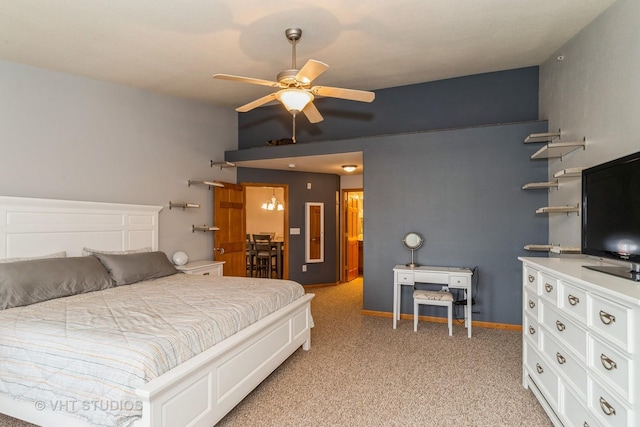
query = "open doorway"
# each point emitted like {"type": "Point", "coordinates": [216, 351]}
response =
{"type": "Point", "coordinates": [267, 212]}
{"type": "Point", "coordinates": [353, 234]}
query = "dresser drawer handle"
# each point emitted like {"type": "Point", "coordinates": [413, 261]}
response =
{"type": "Point", "coordinates": [531, 278]}
{"type": "Point", "coordinates": [560, 325]}
{"type": "Point", "coordinates": [607, 318]}
{"type": "Point", "coordinates": [608, 363]}
{"type": "Point", "coordinates": [573, 300]}
{"type": "Point", "coordinates": [606, 407]}
{"type": "Point", "coordinates": [206, 274]}
{"type": "Point", "coordinates": [548, 287]}
{"type": "Point", "coordinates": [532, 330]}
{"type": "Point", "coordinates": [539, 368]}
{"type": "Point", "coordinates": [531, 304]}
{"type": "Point", "coordinates": [561, 359]}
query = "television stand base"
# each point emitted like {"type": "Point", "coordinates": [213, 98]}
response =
{"type": "Point", "coordinates": [623, 272]}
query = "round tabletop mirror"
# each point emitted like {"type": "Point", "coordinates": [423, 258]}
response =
{"type": "Point", "coordinates": [412, 241]}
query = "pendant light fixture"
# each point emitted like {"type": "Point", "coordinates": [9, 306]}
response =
{"type": "Point", "coordinates": [273, 204]}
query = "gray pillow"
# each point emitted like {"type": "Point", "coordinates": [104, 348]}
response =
{"type": "Point", "coordinates": [131, 268]}
{"type": "Point", "coordinates": [29, 282]}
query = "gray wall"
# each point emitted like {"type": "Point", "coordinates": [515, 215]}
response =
{"type": "Point", "coordinates": [594, 93]}
{"type": "Point", "coordinates": [67, 137]}
{"type": "Point", "coordinates": [323, 189]}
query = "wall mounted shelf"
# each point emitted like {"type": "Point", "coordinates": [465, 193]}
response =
{"type": "Point", "coordinates": [542, 137]}
{"type": "Point", "coordinates": [559, 209]}
{"type": "Point", "coordinates": [540, 185]}
{"type": "Point", "coordinates": [569, 173]}
{"type": "Point", "coordinates": [210, 184]}
{"type": "Point", "coordinates": [557, 149]}
{"type": "Point", "coordinates": [553, 248]}
{"type": "Point", "coordinates": [205, 228]}
{"type": "Point", "coordinates": [184, 206]}
{"type": "Point", "coordinates": [223, 164]}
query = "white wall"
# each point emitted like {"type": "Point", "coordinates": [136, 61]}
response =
{"type": "Point", "coordinates": [594, 93]}
{"type": "Point", "coordinates": [68, 137]}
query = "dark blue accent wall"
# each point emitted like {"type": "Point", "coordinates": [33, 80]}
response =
{"type": "Point", "coordinates": [324, 188]}
{"type": "Point", "coordinates": [491, 98]}
{"type": "Point", "coordinates": [459, 186]}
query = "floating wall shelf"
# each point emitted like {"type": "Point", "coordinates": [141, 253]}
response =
{"type": "Point", "coordinates": [195, 228]}
{"type": "Point", "coordinates": [223, 164]}
{"type": "Point", "coordinates": [559, 209]}
{"type": "Point", "coordinates": [183, 205]}
{"type": "Point", "coordinates": [569, 173]}
{"type": "Point", "coordinates": [540, 185]}
{"type": "Point", "coordinates": [207, 183]}
{"type": "Point", "coordinates": [542, 137]}
{"type": "Point", "coordinates": [557, 149]}
{"type": "Point", "coordinates": [553, 248]}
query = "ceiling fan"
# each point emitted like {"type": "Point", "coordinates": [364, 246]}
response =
{"type": "Point", "coordinates": [294, 86]}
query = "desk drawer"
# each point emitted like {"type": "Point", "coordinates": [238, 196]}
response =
{"type": "Point", "coordinates": [432, 277]}
{"type": "Point", "coordinates": [459, 281]}
{"type": "Point", "coordinates": [405, 278]}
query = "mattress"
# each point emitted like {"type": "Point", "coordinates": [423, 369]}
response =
{"type": "Point", "coordinates": [86, 354]}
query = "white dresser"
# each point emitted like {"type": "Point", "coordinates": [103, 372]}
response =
{"type": "Point", "coordinates": [203, 268]}
{"type": "Point", "coordinates": [581, 333]}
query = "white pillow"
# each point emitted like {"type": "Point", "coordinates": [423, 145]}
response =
{"type": "Point", "coordinates": [61, 254]}
{"type": "Point", "coordinates": [89, 251]}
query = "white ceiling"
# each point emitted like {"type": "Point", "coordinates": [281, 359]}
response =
{"type": "Point", "coordinates": [174, 47]}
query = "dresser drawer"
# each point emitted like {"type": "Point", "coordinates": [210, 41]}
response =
{"type": "Point", "coordinates": [530, 278]}
{"type": "Point", "coordinates": [549, 286]}
{"type": "Point", "coordinates": [614, 368]}
{"type": "Point", "coordinates": [565, 330]}
{"type": "Point", "coordinates": [531, 330]}
{"type": "Point", "coordinates": [565, 362]}
{"type": "Point", "coordinates": [573, 300]}
{"type": "Point", "coordinates": [544, 377]}
{"type": "Point", "coordinates": [610, 410]}
{"type": "Point", "coordinates": [405, 278]}
{"type": "Point", "coordinates": [531, 305]}
{"type": "Point", "coordinates": [612, 320]}
{"type": "Point", "coordinates": [574, 411]}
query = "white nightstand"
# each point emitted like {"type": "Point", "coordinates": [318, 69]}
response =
{"type": "Point", "coordinates": [203, 268]}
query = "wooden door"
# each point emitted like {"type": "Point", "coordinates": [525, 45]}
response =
{"type": "Point", "coordinates": [229, 241]}
{"type": "Point", "coordinates": [351, 227]}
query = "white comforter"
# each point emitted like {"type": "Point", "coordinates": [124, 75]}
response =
{"type": "Point", "coordinates": [86, 354]}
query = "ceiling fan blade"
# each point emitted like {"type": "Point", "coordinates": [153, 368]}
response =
{"type": "Point", "coordinates": [246, 80]}
{"type": "Point", "coordinates": [311, 70]}
{"type": "Point", "coordinates": [258, 102]}
{"type": "Point", "coordinates": [336, 92]}
{"type": "Point", "coordinates": [312, 113]}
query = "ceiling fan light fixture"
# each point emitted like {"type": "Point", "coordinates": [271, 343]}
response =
{"type": "Point", "coordinates": [349, 168]}
{"type": "Point", "coordinates": [294, 100]}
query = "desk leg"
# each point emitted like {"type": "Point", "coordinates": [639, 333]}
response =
{"type": "Point", "coordinates": [468, 312]}
{"type": "Point", "coordinates": [395, 304]}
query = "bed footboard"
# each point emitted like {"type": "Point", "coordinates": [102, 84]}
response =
{"type": "Point", "coordinates": [204, 389]}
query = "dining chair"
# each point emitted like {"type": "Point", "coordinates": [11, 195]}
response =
{"type": "Point", "coordinates": [250, 257]}
{"type": "Point", "coordinates": [265, 255]}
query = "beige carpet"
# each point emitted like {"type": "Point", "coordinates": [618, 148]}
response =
{"type": "Point", "coordinates": [361, 372]}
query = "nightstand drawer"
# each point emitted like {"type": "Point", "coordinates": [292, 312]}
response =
{"type": "Point", "coordinates": [202, 268]}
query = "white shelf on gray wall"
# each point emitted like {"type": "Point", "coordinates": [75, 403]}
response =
{"type": "Point", "coordinates": [558, 249]}
{"type": "Point", "coordinates": [209, 184]}
{"type": "Point", "coordinates": [542, 137]}
{"type": "Point", "coordinates": [557, 149]}
{"type": "Point", "coordinates": [540, 185]}
{"type": "Point", "coordinates": [569, 173]}
{"type": "Point", "coordinates": [558, 209]}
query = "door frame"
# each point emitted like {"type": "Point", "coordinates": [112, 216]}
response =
{"type": "Point", "coordinates": [285, 187]}
{"type": "Point", "coordinates": [344, 194]}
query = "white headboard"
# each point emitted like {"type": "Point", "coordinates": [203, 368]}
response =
{"type": "Point", "coordinates": [36, 227]}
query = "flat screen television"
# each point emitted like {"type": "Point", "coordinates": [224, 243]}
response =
{"type": "Point", "coordinates": [611, 215]}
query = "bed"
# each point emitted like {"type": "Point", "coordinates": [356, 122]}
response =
{"type": "Point", "coordinates": [194, 382]}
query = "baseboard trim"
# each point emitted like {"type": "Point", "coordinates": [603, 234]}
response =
{"type": "Point", "coordinates": [475, 323]}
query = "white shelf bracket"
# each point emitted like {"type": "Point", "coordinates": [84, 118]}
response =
{"type": "Point", "coordinates": [223, 164]}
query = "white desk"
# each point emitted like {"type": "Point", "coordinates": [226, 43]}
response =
{"type": "Point", "coordinates": [452, 277]}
